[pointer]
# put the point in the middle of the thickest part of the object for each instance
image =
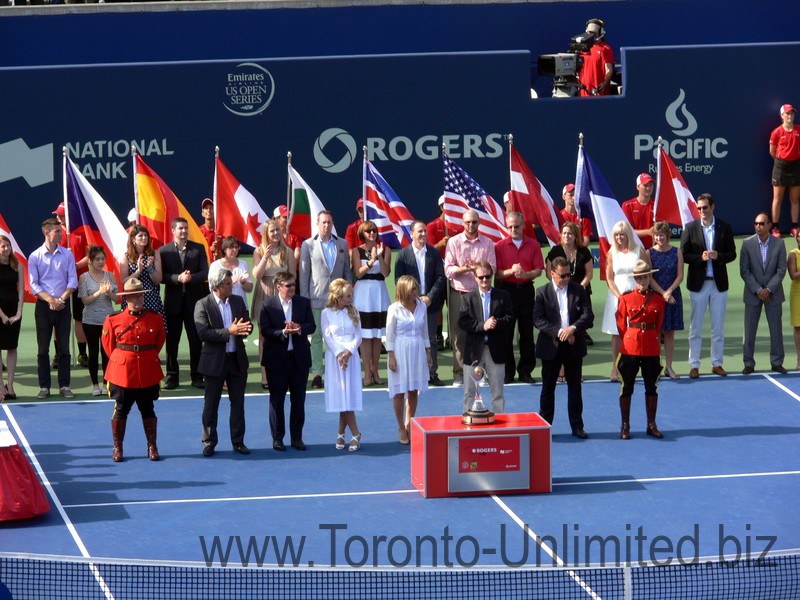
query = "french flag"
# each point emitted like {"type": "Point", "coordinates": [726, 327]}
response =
{"type": "Point", "coordinates": [595, 200]}
{"type": "Point", "coordinates": [384, 208]}
{"type": "Point", "coordinates": [88, 215]}
{"type": "Point", "coordinates": [674, 202]}
{"type": "Point", "coordinates": [23, 261]}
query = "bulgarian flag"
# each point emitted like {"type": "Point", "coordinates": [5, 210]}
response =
{"type": "Point", "coordinates": [237, 212]}
{"type": "Point", "coordinates": [23, 262]}
{"type": "Point", "coordinates": [674, 202]}
{"type": "Point", "coordinates": [157, 206]}
{"type": "Point", "coordinates": [305, 206]}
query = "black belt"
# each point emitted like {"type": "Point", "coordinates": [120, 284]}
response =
{"type": "Point", "coordinates": [373, 277]}
{"type": "Point", "coordinates": [135, 347]}
{"type": "Point", "coordinates": [642, 326]}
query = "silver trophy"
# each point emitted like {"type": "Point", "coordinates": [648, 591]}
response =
{"type": "Point", "coordinates": [478, 414]}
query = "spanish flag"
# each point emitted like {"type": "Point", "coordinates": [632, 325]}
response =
{"type": "Point", "coordinates": [157, 206]}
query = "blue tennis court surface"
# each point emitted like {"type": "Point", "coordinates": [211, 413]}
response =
{"type": "Point", "coordinates": [724, 481]}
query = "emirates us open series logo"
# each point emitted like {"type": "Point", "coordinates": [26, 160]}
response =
{"type": "Point", "coordinates": [249, 89]}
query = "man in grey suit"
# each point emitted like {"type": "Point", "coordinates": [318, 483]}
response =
{"type": "Point", "coordinates": [424, 263]}
{"type": "Point", "coordinates": [323, 258]}
{"type": "Point", "coordinates": [222, 324]}
{"type": "Point", "coordinates": [762, 266]}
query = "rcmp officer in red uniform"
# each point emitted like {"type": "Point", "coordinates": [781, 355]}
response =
{"type": "Point", "coordinates": [640, 314]}
{"type": "Point", "coordinates": [132, 340]}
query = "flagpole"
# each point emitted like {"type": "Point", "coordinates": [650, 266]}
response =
{"type": "Point", "coordinates": [135, 187]}
{"type": "Point", "coordinates": [214, 192]}
{"type": "Point", "coordinates": [364, 186]}
{"type": "Point", "coordinates": [510, 183]}
{"type": "Point", "coordinates": [659, 142]}
{"type": "Point", "coordinates": [65, 156]}
{"type": "Point", "coordinates": [289, 200]}
{"type": "Point", "coordinates": [446, 228]}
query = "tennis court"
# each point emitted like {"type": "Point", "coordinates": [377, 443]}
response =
{"type": "Point", "coordinates": [719, 493]}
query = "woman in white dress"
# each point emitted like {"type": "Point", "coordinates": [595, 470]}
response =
{"type": "Point", "coordinates": [409, 352]}
{"type": "Point", "coordinates": [621, 258]}
{"type": "Point", "coordinates": [341, 330]}
{"type": "Point", "coordinates": [371, 263]}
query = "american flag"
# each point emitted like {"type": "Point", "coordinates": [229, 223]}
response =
{"type": "Point", "coordinates": [384, 208]}
{"type": "Point", "coordinates": [462, 193]}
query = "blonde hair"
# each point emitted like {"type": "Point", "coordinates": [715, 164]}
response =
{"type": "Point", "coordinates": [403, 288]}
{"type": "Point", "coordinates": [624, 227]}
{"type": "Point", "coordinates": [265, 241]}
{"type": "Point", "coordinates": [337, 289]}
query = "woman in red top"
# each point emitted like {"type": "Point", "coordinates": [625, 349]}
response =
{"type": "Point", "coordinates": [784, 148]}
{"type": "Point", "coordinates": [640, 315]}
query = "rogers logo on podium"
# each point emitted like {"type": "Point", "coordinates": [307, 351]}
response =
{"type": "Point", "coordinates": [483, 450]}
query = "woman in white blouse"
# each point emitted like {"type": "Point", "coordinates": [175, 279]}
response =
{"type": "Point", "coordinates": [409, 352]}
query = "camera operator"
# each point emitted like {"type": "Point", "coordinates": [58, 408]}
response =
{"type": "Point", "coordinates": [597, 67]}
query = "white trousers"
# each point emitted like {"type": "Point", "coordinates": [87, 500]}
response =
{"type": "Point", "coordinates": [709, 297]}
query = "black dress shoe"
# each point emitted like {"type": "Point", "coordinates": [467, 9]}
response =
{"type": "Point", "coordinates": [241, 449]}
{"type": "Point", "coordinates": [316, 383]}
{"type": "Point", "coordinates": [527, 379]}
{"type": "Point", "coordinates": [508, 380]}
{"type": "Point", "coordinates": [208, 450]}
{"type": "Point", "coordinates": [278, 445]}
{"type": "Point", "coordinates": [580, 434]}
{"type": "Point", "coordinates": [748, 370]}
{"type": "Point", "coordinates": [170, 383]}
{"type": "Point", "coordinates": [588, 338]}
{"type": "Point", "coordinates": [199, 384]}
{"type": "Point", "coordinates": [298, 445]}
{"type": "Point", "coordinates": [777, 368]}
{"type": "Point", "coordinates": [432, 381]}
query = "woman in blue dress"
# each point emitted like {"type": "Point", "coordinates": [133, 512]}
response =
{"type": "Point", "coordinates": [668, 260]}
{"type": "Point", "coordinates": [144, 263]}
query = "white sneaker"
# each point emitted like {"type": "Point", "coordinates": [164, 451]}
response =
{"type": "Point", "coordinates": [96, 391]}
{"type": "Point", "coordinates": [66, 392]}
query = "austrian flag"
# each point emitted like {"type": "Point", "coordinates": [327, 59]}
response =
{"type": "Point", "coordinates": [237, 211]}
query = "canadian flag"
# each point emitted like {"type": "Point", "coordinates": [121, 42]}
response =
{"type": "Point", "coordinates": [237, 212]}
{"type": "Point", "coordinates": [674, 202]}
{"type": "Point", "coordinates": [6, 231]}
{"type": "Point", "coordinates": [530, 197]}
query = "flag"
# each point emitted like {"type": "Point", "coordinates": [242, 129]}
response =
{"type": "Point", "coordinates": [90, 217]}
{"type": "Point", "coordinates": [305, 206]}
{"type": "Point", "coordinates": [530, 197]}
{"type": "Point", "coordinates": [157, 206]}
{"type": "Point", "coordinates": [23, 261]}
{"type": "Point", "coordinates": [237, 211]}
{"type": "Point", "coordinates": [595, 200]}
{"type": "Point", "coordinates": [462, 193]}
{"type": "Point", "coordinates": [385, 209]}
{"type": "Point", "coordinates": [674, 202]}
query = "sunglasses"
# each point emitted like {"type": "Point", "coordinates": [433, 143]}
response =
{"type": "Point", "coordinates": [288, 285]}
{"type": "Point", "coordinates": [483, 277]}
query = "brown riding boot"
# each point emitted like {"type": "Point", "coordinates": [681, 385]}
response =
{"type": "Point", "coordinates": [118, 433]}
{"type": "Point", "coordinates": [150, 430]}
{"type": "Point", "coordinates": [625, 411]}
{"type": "Point", "coordinates": [651, 404]}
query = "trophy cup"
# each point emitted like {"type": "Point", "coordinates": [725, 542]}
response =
{"type": "Point", "coordinates": [478, 414]}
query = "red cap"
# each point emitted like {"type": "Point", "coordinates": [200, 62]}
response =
{"type": "Point", "coordinates": [570, 187]}
{"type": "Point", "coordinates": [280, 211]}
{"type": "Point", "coordinates": [643, 179]}
{"type": "Point", "coordinates": [787, 108]}
{"type": "Point", "coordinates": [360, 204]}
{"type": "Point", "coordinates": [206, 201]}
{"type": "Point", "coordinates": [60, 210]}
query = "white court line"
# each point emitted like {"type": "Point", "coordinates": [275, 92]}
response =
{"type": "Point", "coordinates": [535, 537]}
{"type": "Point", "coordinates": [414, 491]}
{"type": "Point", "coordinates": [46, 482]}
{"type": "Point", "coordinates": [779, 385]}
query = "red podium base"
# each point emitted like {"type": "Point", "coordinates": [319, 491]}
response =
{"type": "Point", "coordinates": [22, 495]}
{"type": "Point", "coordinates": [510, 456]}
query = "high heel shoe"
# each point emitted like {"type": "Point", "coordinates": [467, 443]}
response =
{"type": "Point", "coordinates": [355, 443]}
{"type": "Point", "coordinates": [340, 442]}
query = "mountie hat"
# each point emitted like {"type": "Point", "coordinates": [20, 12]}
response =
{"type": "Point", "coordinates": [133, 286]}
{"type": "Point", "coordinates": [570, 187]}
{"type": "Point", "coordinates": [642, 268]}
{"type": "Point", "coordinates": [643, 179]}
{"type": "Point", "coordinates": [787, 108]}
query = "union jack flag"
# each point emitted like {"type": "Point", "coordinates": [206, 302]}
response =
{"type": "Point", "coordinates": [462, 193]}
{"type": "Point", "coordinates": [385, 209]}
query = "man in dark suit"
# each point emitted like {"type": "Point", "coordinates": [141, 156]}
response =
{"type": "Point", "coordinates": [562, 313]}
{"type": "Point", "coordinates": [763, 267]}
{"type": "Point", "coordinates": [222, 324]}
{"type": "Point", "coordinates": [286, 322]}
{"type": "Point", "coordinates": [185, 267]}
{"type": "Point", "coordinates": [424, 263]}
{"type": "Point", "coordinates": [485, 317]}
{"type": "Point", "coordinates": [707, 245]}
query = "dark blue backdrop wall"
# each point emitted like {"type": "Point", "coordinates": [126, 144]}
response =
{"type": "Point", "coordinates": [402, 106]}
